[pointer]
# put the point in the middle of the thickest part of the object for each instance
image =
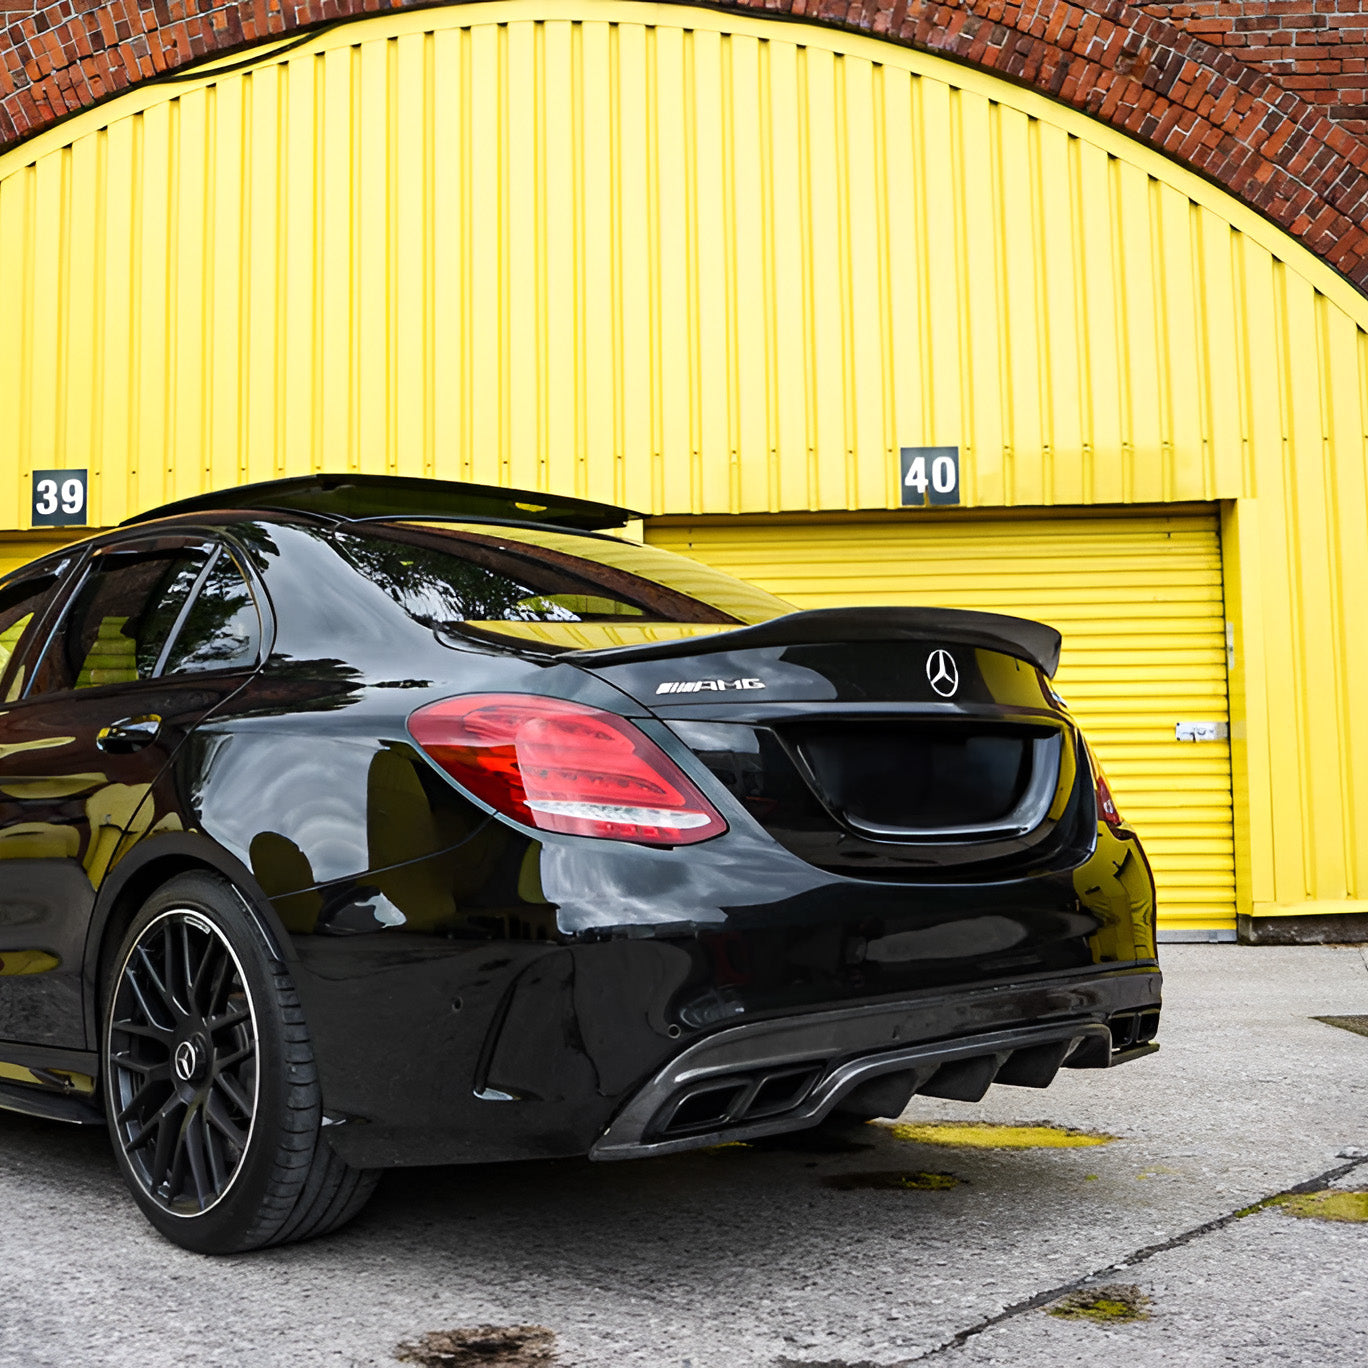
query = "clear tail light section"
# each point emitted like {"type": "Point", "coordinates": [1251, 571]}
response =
{"type": "Point", "coordinates": [1106, 804]}
{"type": "Point", "coordinates": [567, 767]}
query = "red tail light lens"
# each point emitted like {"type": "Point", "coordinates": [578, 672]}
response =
{"type": "Point", "coordinates": [1106, 804]}
{"type": "Point", "coordinates": [562, 766]}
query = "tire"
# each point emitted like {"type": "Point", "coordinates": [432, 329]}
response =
{"type": "Point", "coordinates": [210, 1089]}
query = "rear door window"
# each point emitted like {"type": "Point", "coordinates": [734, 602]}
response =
{"type": "Point", "coordinates": [121, 618]}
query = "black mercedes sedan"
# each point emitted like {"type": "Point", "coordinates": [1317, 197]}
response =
{"type": "Point", "coordinates": [355, 822]}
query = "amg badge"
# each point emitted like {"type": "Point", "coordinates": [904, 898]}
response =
{"type": "Point", "coordinates": [679, 686]}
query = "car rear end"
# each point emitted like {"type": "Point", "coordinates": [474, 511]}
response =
{"type": "Point", "coordinates": [797, 864]}
{"type": "Point", "coordinates": [987, 908]}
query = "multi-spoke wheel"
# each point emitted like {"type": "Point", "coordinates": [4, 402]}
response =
{"type": "Point", "coordinates": [183, 1062]}
{"type": "Point", "coordinates": [210, 1086]}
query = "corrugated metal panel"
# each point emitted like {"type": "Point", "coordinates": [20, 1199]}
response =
{"type": "Point", "coordinates": [693, 262]}
{"type": "Point", "coordinates": [699, 262]}
{"type": "Point", "coordinates": [18, 550]}
{"type": "Point", "coordinates": [1139, 602]}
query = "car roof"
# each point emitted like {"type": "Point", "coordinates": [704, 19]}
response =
{"type": "Point", "coordinates": [362, 498]}
{"type": "Point", "coordinates": [207, 515]}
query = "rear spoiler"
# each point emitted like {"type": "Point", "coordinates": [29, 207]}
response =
{"type": "Point", "coordinates": [1032, 642]}
{"type": "Point", "coordinates": [371, 498]}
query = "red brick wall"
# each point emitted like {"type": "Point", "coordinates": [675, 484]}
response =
{"type": "Point", "coordinates": [1239, 120]}
{"type": "Point", "coordinates": [1319, 48]}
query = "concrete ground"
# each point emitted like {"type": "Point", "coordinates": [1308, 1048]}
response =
{"type": "Point", "coordinates": [746, 1256]}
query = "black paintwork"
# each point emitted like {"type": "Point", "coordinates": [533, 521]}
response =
{"type": "Point", "coordinates": [874, 629]}
{"type": "Point", "coordinates": [476, 989]}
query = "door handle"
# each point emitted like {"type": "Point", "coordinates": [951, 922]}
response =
{"type": "Point", "coordinates": [129, 735]}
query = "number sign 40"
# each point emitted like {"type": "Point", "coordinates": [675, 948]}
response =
{"type": "Point", "coordinates": [930, 475]}
{"type": "Point", "coordinates": [59, 498]}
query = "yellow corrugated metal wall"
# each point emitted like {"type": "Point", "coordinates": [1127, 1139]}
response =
{"type": "Point", "coordinates": [1139, 601]}
{"type": "Point", "coordinates": [685, 260]}
{"type": "Point", "coordinates": [703, 263]}
{"type": "Point", "coordinates": [17, 550]}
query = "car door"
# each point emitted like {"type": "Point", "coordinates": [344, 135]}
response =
{"type": "Point", "coordinates": [136, 659]}
{"type": "Point", "coordinates": [28, 602]}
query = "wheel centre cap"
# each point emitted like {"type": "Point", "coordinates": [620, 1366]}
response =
{"type": "Point", "coordinates": [186, 1061]}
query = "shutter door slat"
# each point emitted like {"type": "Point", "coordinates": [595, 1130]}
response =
{"type": "Point", "coordinates": [1139, 601]}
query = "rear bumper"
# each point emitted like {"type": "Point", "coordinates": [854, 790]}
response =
{"type": "Point", "coordinates": [785, 1074]}
{"type": "Point", "coordinates": [520, 1013]}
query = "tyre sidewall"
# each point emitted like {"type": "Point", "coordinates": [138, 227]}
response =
{"type": "Point", "coordinates": [287, 1091]}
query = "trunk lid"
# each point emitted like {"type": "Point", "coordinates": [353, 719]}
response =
{"type": "Point", "coordinates": [883, 743]}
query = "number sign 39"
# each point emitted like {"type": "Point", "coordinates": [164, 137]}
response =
{"type": "Point", "coordinates": [59, 498]}
{"type": "Point", "coordinates": [930, 476]}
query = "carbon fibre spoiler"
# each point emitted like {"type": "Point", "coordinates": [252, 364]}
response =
{"type": "Point", "coordinates": [1033, 642]}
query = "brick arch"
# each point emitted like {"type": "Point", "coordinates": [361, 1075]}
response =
{"type": "Point", "coordinates": [1137, 72]}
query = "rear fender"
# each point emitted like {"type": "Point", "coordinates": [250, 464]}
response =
{"type": "Point", "coordinates": [145, 868]}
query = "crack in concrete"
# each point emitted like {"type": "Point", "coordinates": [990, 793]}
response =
{"type": "Point", "coordinates": [1356, 1158]}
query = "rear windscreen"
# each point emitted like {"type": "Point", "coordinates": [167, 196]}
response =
{"type": "Point", "coordinates": [446, 576]}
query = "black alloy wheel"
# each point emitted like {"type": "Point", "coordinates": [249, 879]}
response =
{"type": "Point", "coordinates": [210, 1087]}
{"type": "Point", "coordinates": [183, 1062]}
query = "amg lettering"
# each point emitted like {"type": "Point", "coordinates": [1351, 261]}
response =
{"type": "Point", "coordinates": [710, 685]}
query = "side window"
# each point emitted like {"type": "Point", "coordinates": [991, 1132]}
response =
{"type": "Point", "coordinates": [120, 618]}
{"type": "Point", "coordinates": [21, 606]}
{"type": "Point", "coordinates": [222, 630]}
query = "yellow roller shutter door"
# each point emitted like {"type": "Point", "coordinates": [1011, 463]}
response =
{"type": "Point", "coordinates": [1139, 601]}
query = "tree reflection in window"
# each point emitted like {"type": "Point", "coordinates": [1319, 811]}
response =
{"type": "Point", "coordinates": [222, 630]}
{"type": "Point", "coordinates": [443, 578]}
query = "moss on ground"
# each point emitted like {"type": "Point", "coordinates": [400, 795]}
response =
{"type": "Point", "coordinates": [986, 1135]}
{"type": "Point", "coordinates": [1110, 1304]}
{"type": "Point", "coordinates": [895, 1181]}
{"type": "Point", "coordinates": [1333, 1204]}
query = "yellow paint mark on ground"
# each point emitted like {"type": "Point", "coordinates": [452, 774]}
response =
{"type": "Point", "coordinates": [1107, 1305]}
{"type": "Point", "coordinates": [1330, 1205]}
{"type": "Point", "coordinates": [892, 1182]}
{"type": "Point", "coordinates": [987, 1135]}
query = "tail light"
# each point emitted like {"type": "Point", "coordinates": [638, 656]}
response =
{"type": "Point", "coordinates": [562, 766]}
{"type": "Point", "coordinates": [1106, 804]}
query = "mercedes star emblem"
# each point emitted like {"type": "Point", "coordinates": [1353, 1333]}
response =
{"type": "Point", "coordinates": [942, 672]}
{"type": "Point", "coordinates": [186, 1060]}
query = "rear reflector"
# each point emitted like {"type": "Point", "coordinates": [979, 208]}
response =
{"type": "Point", "coordinates": [562, 766]}
{"type": "Point", "coordinates": [1106, 804]}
